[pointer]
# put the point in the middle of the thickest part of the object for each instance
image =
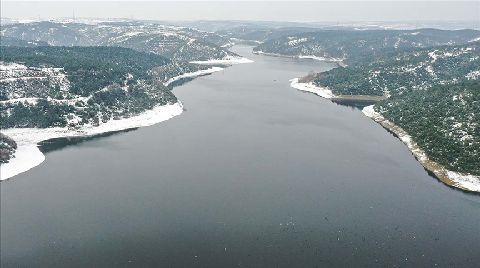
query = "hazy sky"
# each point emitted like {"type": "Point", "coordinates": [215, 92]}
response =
{"type": "Point", "coordinates": [338, 11]}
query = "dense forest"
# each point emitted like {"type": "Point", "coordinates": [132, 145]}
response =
{"type": "Point", "coordinates": [7, 148]}
{"type": "Point", "coordinates": [444, 120]}
{"type": "Point", "coordinates": [403, 71]}
{"type": "Point", "coordinates": [60, 86]}
{"type": "Point", "coordinates": [88, 68]}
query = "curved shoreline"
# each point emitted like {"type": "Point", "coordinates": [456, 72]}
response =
{"type": "Point", "coordinates": [466, 182]}
{"type": "Point", "coordinates": [326, 93]}
{"type": "Point", "coordinates": [28, 155]}
{"type": "Point", "coordinates": [310, 87]}
{"type": "Point", "coordinates": [193, 74]}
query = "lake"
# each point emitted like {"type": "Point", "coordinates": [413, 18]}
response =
{"type": "Point", "coordinates": [253, 174]}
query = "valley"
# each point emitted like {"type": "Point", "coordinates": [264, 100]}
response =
{"type": "Point", "coordinates": [79, 87]}
{"type": "Point", "coordinates": [239, 134]}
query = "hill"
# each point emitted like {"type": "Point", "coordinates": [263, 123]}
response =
{"type": "Point", "coordinates": [71, 86]}
{"type": "Point", "coordinates": [354, 46]}
{"type": "Point", "coordinates": [175, 43]}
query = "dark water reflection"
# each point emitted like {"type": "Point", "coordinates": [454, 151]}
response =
{"type": "Point", "coordinates": [253, 174]}
{"type": "Point", "coordinates": [60, 143]}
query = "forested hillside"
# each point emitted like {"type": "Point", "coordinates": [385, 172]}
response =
{"type": "Point", "coordinates": [359, 46]}
{"type": "Point", "coordinates": [165, 72]}
{"type": "Point", "coordinates": [259, 34]}
{"type": "Point", "coordinates": [444, 120]}
{"type": "Point", "coordinates": [411, 69]}
{"type": "Point", "coordinates": [71, 86]}
{"type": "Point", "coordinates": [432, 93]}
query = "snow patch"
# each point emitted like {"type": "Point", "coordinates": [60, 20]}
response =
{"type": "Point", "coordinates": [310, 87]}
{"type": "Point", "coordinates": [227, 60]}
{"type": "Point", "coordinates": [294, 42]}
{"type": "Point", "coordinates": [475, 39]}
{"type": "Point", "coordinates": [193, 74]}
{"type": "Point", "coordinates": [467, 181]}
{"type": "Point", "coordinates": [320, 58]}
{"type": "Point", "coordinates": [473, 75]}
{"type": "Point", "coordinates": [8, 66]}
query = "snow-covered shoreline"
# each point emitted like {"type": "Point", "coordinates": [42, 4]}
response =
{"type": "Point", "coordinates": [310, 57]}
{"type": "Point", "coordinates": [463, 181]}
{"type": "Point", "coordinates": [224, 61]}
{"type": "Point", "coordinates": [313, 57]}
{"type": "Point", "coordinates": [310, 87]}
{"type": "Point", "coordinates": [28, 155]}
{"type": "Point", "coordinates": [193, 74]}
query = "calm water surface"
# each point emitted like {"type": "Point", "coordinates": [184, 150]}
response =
{"type": "Point", "coordinates": [253, 174]}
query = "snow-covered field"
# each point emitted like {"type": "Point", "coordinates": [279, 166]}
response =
{"type": "Point", "coordinates": [226, 61]}
{"type": "Point", "coordinates": [28, 155]}
{"type": "Point", "coordinates": [193, 74]}
{"type": "Point", "coordinates": [310, 87]}
{"type": "Point", "coordinates": [460, 180]}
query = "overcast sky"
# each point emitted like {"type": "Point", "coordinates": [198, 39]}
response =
{"type": "Point", "coordinates": [248, 10]}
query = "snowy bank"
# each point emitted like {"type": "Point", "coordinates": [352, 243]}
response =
{"type": "Point", "coordinates": [312, 57]}
{"type": "Point", "coordinates": [463, 181]}
{"type": "Point", "coordinates": [193, 74]}
{"type": "Point", "coordinates": [28, 155]}
{"type": "Point", "coordinates": [326, 93]}
{"type": "Point", "coordinates": [309, 57]}
{"type": "Point", "coordinates": [310, 87]}
{"type": "Point", "coordinates": [226, 61]}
